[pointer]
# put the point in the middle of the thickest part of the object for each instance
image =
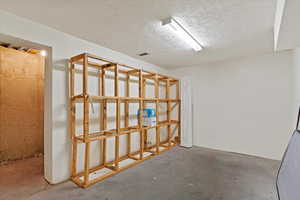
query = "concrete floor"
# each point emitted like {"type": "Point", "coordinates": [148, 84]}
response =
{"type": "Point", "coordinates": [21, 179]}
{"type": "Point", "coordinates": [180, 173]}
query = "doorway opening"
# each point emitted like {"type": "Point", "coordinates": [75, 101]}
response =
{"type": "Point", "coordinates": [22, 80]}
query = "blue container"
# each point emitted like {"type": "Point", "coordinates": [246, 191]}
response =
{"type": "Point", "coordinates": [149, 117]}
{"type": "Point", "coordinates": [147, 112]}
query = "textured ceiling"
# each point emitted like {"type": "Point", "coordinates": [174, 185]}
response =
{"type": "Point", "coordinates": [226, 28]}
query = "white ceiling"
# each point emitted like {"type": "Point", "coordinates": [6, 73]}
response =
{"type": "Point", "coordinates": [226, 28]}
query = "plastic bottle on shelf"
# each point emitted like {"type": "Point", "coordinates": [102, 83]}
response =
{"type": "Point", "coordinates": [149, 116]}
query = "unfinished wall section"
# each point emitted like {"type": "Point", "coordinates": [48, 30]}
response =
{"type": "Point", "coordinates": [21, 104]}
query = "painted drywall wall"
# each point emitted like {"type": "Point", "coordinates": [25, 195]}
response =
{"type": "Point", "coordinates": [296, 80]}
{"type": "Point", "coordinates": [57, 139]}
{"type": "Point", "coordinates": [21, 104]}
{"type": "Point", "coordinates": [244, 105]}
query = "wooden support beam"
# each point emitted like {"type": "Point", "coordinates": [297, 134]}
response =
{"type": "Point", "coordinates": [116, 81]}
{"type": "Point", "coordinates": [178, 97]}
{"type": "Point", "coordinates": [144, 107]}
{"type": "Point", "coordinates": [150, 76]}
{"type": "Point", "coordinates": [86, 120]}
{"type": "Point", "coordinates": [127, 66]}
{"type": "Point", "coordinates": [104, 117]}
{"type": "Point", "coordinates": [117, 141]}
{"type": "Point", "coordinates": [127, 93]}
{"type": "Point", "coordinates": [164, 78]}
{"type": "Point", "coordinates": [85, 99]}
{"type": "Point", "coordinates": [100, 111]}
{"type": "Point", "coordinates": [168, 112]}
{"type": "Point", "coordinates": [133, 71]}
{"type": "Point", "coordinates": [72, 124]}
{"type": "Point", "coordinates": [108, 65]}
{"type": "Point", "coordinates": [107, 60]}
{"type": "Point", "coordinates": [117, 138]}
{"type": "Point", "coordinates": [157, 114]}
{"type": "Point", "coordinates": [141, 95]}
{"type": "Point", "coordinates": [86, 163]}
{"type": "Point", "coordinates": [77, 58]}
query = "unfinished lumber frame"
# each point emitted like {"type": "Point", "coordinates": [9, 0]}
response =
{"type": "Point", "coordinates": [91, 173]}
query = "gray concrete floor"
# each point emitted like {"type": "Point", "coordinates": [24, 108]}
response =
{"type": "Point", "coordinates": [180, 173]}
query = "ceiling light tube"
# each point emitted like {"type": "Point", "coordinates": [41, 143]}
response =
{"type": "Point", "coordinates": [183, 33]}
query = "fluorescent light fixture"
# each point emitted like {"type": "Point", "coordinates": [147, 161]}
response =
{"type": "Point", "coordinates": [43, 53]}
{"type": "Point", "coordinates": [183, 33]}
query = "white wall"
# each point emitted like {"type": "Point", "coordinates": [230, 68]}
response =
{"type": "Point", "coordinates": [296, 79]}
{"type": "Point", "coordinates": [244, 105]}
{"type": "Point", "coordinates": [57, 139]}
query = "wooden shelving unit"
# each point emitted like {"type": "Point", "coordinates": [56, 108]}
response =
{"type": "Point", "coordinates": [104, 69]}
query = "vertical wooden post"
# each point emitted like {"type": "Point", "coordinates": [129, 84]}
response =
{"type": "Point", "coordinates": [127, 92]}
{"type": "Point", "coordinates": [141, 95]}
{"type": "Point", "coordinates": [86, 119]}
{"type": "Point", "coordinates": [74, 157]}
{"type": "Point", "coordinates": [156, 83]}
{"type": "Point", "coordinates": [85, 98]}
{"type": "Point", "coordinates": [168, 111]}
{"type": "Point", "coordinates": [179, 110]}
{"type": "Point", "coordinates": [100, 112]}
{"type": "Point", "coordinates": [144, 107]}
{"type": "Point", "coordinates": [73, 119]}
{"type": "Point", "coordinates": [104, 116]}
{"type": "Point", "coordinates": [116, 81]}
{"type": "Point", "coordinates": [87, 163]}
{"type": "Point", "coordinates": [117, 142]}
